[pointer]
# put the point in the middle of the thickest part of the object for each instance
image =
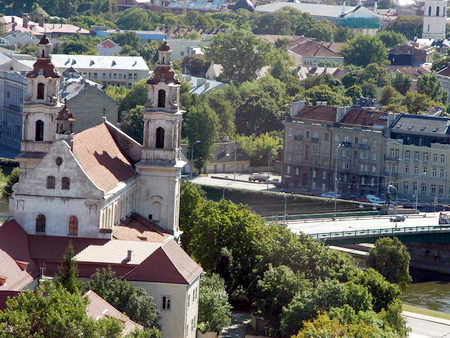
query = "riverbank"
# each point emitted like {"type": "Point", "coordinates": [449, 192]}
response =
{"type": "Point", "coordinates": [425, 312]}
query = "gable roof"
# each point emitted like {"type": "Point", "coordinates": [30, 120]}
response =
{"type": "Point", "coordinates": [138, 228]}
{"type": "Point", "coordinates": [365, 118]}
{"type": "Point", "coordinates": [317, 113]}
{"type": "Point", "coordinates": [98, 308]}
{"type": "Point", "coordinates": [312, 48]}
{"type": "Point", "coordinates": [101, 158]}
{"type": "Point", "coordinates": [108, 43]}
{"type": "Point", "coordinates": [128, 63]}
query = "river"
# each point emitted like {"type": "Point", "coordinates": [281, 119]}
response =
{"type": "Point", "coordinates": [433, 295]}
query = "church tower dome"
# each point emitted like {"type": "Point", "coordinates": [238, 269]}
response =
{"type": "Point", "coordinates": [40, 109]}
{"type": "Point", "coordinates": [160, 165]}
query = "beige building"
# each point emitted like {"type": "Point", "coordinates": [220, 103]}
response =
{"type": "Point", "coordinates": [418, 158]}
{"type": "Point", "coordinates": [321, 140]}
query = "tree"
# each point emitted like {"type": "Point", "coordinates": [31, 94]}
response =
{"type": "Point", "coordinates": [221, 104]}
{"type": "Point", "coordinates": [363, 50]}
{"type": "Point", "coordinates": [324, 93]}
{"type": "Point", "coordinates": [354, 92]}
{"type": "Point", "coordinates": [390, 96]}
{"type": "Point", "coordinates": [117, 93]}
{"type": "Point", "coordinates": [240, 53]}
{"type": "Point", "coordinates": [7, 189]}
{"type": "Point", "coordinates": [276, 289]}
{"type": "Point", "coordinates": [429, 85]}
{"type": "Point", "coordinates": [192, 200]}
{"type": "Point", "coordinates": [214, 311]}
{"type": "Point", "coordinates": [391, 258]}
{"type": "Point", "coordinates": [67, 275]}
{"type": "Point", "coordinates": [138, 95]}
{"type": "Point", "coordinates": [202, 124]}
{"type": "Point", "coordinates": [401, 82]}
{"type": "Point", "coordinates": [126, 39]}
{"type": "Point", "coordinates": [134, 18]}
{"type": "Point", "coordinates": [196, 65]}
{"type": "Point", "coordinates": [259, 148]}
{"type": "Point", "coordinates": [261, 106]}
{"type": "Point", "coordinates": [52, 311]}
{"type": "Point", "coordinates": [133, 123]}
{"type": "Point", "coordinates": [134, 301]}
{"type": "Point", "coordinates": [418, 103]}
{"type": "Point", "coordinates": [391, 38]}
{"type": "Point", "coordinates": [385, 4]}
{"type": "Point", "coordinates": [149, 52]}
{"type": "Point", "coordinates": [409, 26]}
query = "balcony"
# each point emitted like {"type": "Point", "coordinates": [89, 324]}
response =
{"type": "Point", "coordinates": [315, 139]}
{"type": "Point", "coordinates": [346, 144]}
{"type": "Point", "coordinates": [392, 158]}
{"type": "Point", "coordinates": [298, 137]}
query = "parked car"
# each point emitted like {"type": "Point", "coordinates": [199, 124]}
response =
{"type": "Point", "coordinates": [330, 194]}
{"type": "Point", "coordinates": [397, 218]}
{"type": "Point", "coordinates": [375, 199]}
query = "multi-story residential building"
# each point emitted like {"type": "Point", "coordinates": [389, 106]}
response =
{"type": "Point", "coordinates": [109, 70]}
{"type": "Point", "coordinates": [321, 140]}
{"type": "Point", "coordinates": [12, 91]}
{"type": "Point", "coordinates": [418, 157]}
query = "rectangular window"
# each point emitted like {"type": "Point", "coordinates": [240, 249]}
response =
{"type": "Point", "coordinates": [372, 181]}
{"type": "Point", "coordinates": [433, 189]}
{"type": "Point", "coordinates": [414, 186]}
{"type": "Point", "coordinates": [424, 187]}
{"type": "Point", "coordinates": [374, 156]}
{"type": "Point", "coordinates": [435, 158]}
{"type": "Point", "coordinates": [441, 173]}
{"type": "Point", "coordinates": [397, 153]}
{"type": "Point", "coordinates": [135, 76]}
{"type": "Point", "coordinates": [356, 140]}
{"type": "Point", "coordinates": [416, 155]}
{"type": "Point", "coordinates": [374, 168]}
{"type": "Point", "coordinates": [314, 174]}
{"type": "Point", "coordinates": [416, 170]}
{"type": "Point", "coordinates": [327, 136]}
{"type": "Point", "coordinates": [425, 156]}
{"type": "Point", "coordinates": [425, 170]}
{"type": "Point", "coordinates": [166, 303]}
{"type": "Point", "coordinates": [434, 172]}
{"type": "Point", "coordinates": [288, 169]}
{"type": "Point", "coordinates": [442, 158]}
{"type": "Point", "coordinates": [363, 180]}
{"type": "Point", "coordinates": [441, 190]}
{"type": "Point", "coordinates": [407, 154]}
{"type": "Point", "coordinates": [323, 187]}
{"type": "Point", "coordinates": [407, 170]}
{"type": "Point", "coordinates": [324, 175]}
{"type": "Point", "coordinates": [297, 171]}
{"type": "Point", "coordinates": [405, 186]}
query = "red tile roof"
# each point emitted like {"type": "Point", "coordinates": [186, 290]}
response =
{"type": "Point", "coordinates": [107, 44]}
{"type": "Point", "coordinates": [101, 158]}
{"type": "Point", "coordinates": [14, 275]}
{"type": "Point", "coordinates": [98, 308]}
{"type": "Point", "coordinates": [317, 113]}
{"type": "Point", "coordinates": [312, 48]}
{"type": "Point", "coordinates": [44, 66]}
{"type": "Point", "coordinates": [138, 228]}
{"type": "Point", "coordinates": [444, 72]}
{"type": "Point", "coordinates": [366, 118]}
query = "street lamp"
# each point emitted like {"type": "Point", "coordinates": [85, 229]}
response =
{"type": "Point", "coordinates": [335, 176]}
{"type": "Point", "coordinates": [396, 196]}
{"type": "Point", "coordinates": [192, 157]}
{"type": "Point", "coordinates": [227, 155]}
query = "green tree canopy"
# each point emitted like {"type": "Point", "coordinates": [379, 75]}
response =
{"type": "Point", "coordinates": [258, 148]}
{"type": "Point", "coordinates": [240, 53]}
{"type": "Point", "coordinates": [7, 189]}
{"type": "Point", "coordinates": [401, 82]}
{"type": "Point", "coordinates": [391, 38]}
{"type": "Point", "coordinates": [409, 26]}
{"type": "Point", "coordinates": [363, 50]}
{"type": "Point", "coordinates": [391, 258]}
{"type": "Point", "coordinates": [214, 311]}
{"type": "Point", "coordinates": [429, 85]}
{"type": "Point", "coordinates": [134, 301]}
{"type": "Point", "coordinates": [52, 311]}
{"type": "Point", "coordinates": [67, 275]}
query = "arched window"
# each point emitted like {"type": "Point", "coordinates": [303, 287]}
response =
{"type": "Point", "coordinates": [65, 183]}
{"type": "Point", "coordinates": [40, 223]}
{"type": "Point", "coordinates": [156, 211]}
{"type": "Point", "coordinates": [39, 131]}
{"type": "Point", "coordinates": [40, 91]}
{"type": "Point", "coordinates": [50, 182]}
{"type": "Point", "coordinates": [73, 225]}
{"type": "Point", "coordinates": [429, 11]}
{"type": "Point", "coordinates": [160, 138]}
{"type": "Point", "coordinates": [161, 98]}
{"type": "Point", "coordinates": [437, 10]}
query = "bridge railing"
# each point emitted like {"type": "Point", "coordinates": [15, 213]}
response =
{"type": "Point", "coordinates": [363, 233]}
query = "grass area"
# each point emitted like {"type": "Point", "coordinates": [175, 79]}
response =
{"type": "Point", "coordinates": [426, 312]}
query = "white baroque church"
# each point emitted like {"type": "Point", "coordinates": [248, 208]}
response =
{"type": "Point", "coordinates": [116, 200]}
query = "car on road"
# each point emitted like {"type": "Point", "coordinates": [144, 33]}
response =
{"type": "Point", "coordinates": [262, 178]}
{"type": "Point", "coordinates": [330, 194]}
{"type": "Point", "coordinates": [397, 218]}
{"type": "Point", "coordinates": [375, 199]}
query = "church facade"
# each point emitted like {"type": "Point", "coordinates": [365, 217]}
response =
{"type": "Point", "coordinates": [116, 200]}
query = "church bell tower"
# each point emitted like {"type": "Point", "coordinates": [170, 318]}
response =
{"type": "Point", "coordinates": [40, 109]}
{"type": "Point", "coordinates": [160, 165]}
{"type": "Point", "coordinates": [434, 19]}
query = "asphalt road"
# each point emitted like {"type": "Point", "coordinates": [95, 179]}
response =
{"type": "Point", "coordinates": [421, 328]}
{"type": "Point", "coordinates": [206, 180]}
{"type": "Point", "coordinates": [362, 223]}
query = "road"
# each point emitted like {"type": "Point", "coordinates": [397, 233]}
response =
{"type": "Point", "coordinates": [314, 226]}
{"type": "Point", "coordinates": [425, 326]}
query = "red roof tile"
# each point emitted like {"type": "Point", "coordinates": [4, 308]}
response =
{"type": "Point", "coordinates": [107, 44]}
{"type": "Point", "coordinates": [13, 277]}
{"type": "Point", "coordinates": [43, 66]}
{"type": "Point", "coordinates": [317, 113]}
{"type": "Point", "coordinates": [101, 158]}
{"type": "Point", "coordinates": [98, 308]}
{"type": "Point", "coordinates": [367, 118]}
{"type": "Point", "coordinates": [138, 228]}
{"type": "Point", "coordinates": [312, 48]}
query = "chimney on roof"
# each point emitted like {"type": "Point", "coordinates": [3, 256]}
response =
{"type": "Point", "coordinates": [41, 20]}
{"type": "Point", "coordinates": [341, 112]}
{"type": "Point", "coordinates": [129, 255]}
{"type": "Point", "coordinates": [25, 20]}
{"type": "Point", "coordinates": [296, 107]}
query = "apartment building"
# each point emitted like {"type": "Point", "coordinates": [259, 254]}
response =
{"type": "Point", "coordinates": [418, 158]}
{"type": "Point", "coordinates": [321, 140]}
